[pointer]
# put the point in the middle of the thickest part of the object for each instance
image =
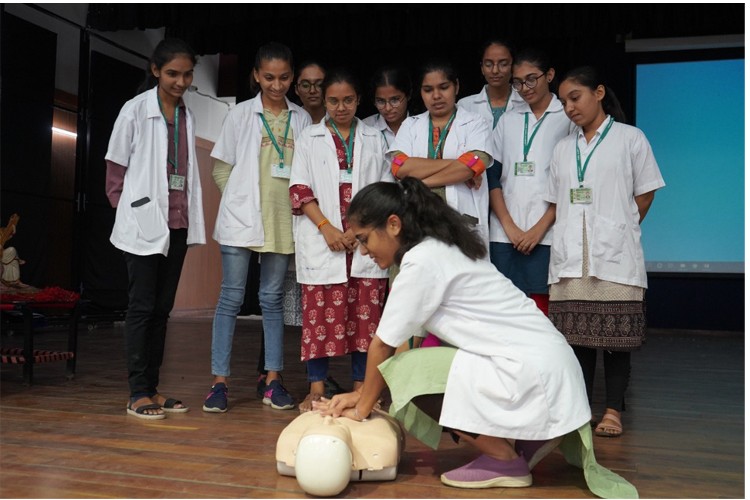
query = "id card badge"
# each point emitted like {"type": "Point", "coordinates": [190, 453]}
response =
{"type": "Point", "coordinates": [581, 195]}
{"type": "Point", "coordinates": [345, 177]}
{"type": "Point", "coordinates": [176, 182]}
{"type": "Point", "coordinates": [280, 171]}
{"type": "Point", "coordinates": [526, 168]}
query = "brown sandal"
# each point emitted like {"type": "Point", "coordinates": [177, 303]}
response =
{"type": "Point", "coordinates": [306, 405]}
{"type": "Point", "coordinates": [610, 426]}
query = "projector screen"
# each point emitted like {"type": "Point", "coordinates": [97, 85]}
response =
{"type": "Point", "coordinates": [693, 115]}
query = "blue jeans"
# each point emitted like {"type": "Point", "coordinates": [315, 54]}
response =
{"type": "Point", "coordinates": [317, 368]}
{"type": "Point", "coordinates": [235, 262]}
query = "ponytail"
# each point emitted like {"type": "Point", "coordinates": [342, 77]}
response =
{"type": "Point", "coordinates": [589, 77]}
{"type": "Point", "coordinates": [423, 215]}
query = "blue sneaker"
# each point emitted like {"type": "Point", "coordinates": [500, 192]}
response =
{"type": "Point", "coordinates": [276, 396]}
{"type": "Point", "coordinates": [216, 400]}
{"type": "Point", "coordinates": [261, 387]}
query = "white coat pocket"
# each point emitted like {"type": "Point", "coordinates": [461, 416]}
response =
{"type": "Point", "coordinates": [150, 221]}
{"type": "Point", "coordinates": [236, 211]}
{"type": "Point", "coordinates": [608, 240]}
{"type": "Point", "coordinates": [559, 247]}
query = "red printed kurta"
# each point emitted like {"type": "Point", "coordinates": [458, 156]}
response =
{"type": "Point", "coordinates": [340, 318]}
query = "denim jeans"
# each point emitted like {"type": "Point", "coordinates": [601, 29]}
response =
{"type": "Point", "coordinates": [152, 286]}
{"type": "Point", "coordinates": [317, 368]}
{"type": "Point", "coordinates": [235, 262]}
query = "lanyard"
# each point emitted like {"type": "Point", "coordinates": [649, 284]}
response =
{"type": "Point", "coordinates": [526, 139]}
{"type": "Point", "coordinates": [497, 112]}
{"type": "Point", "coordinates": [348, 144]}
{"type": "Point", "coordinates": [176, 130]}
{"type": "Point", "coordinates": [582, 171]}
{"type": "Point", "coordinates": [279, 150]}
{"type": "Point", "coordinates": [433, 150]}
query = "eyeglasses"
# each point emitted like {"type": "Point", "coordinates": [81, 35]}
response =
{"type": "Point", "coordinates": [530, 82]}
{"type": "Point", "coordinates": [363, 238]}
{"type": "Point", "coordinates": [348, 102]}
{"type": "Point", "coordinates": [501, 65]}
{"type": "Point", "coordinates": [393, 101]}
{"type": "Point", "coordinates": [307, 85]}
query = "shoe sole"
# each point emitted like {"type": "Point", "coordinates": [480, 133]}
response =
{"type": "Point", "coordinates": [497, 482]}
{"type": "Point", "coordinates": [145, 416]}
{"type": "Point", "coordinates": [214, 410]}
{"type": "Point", "coordinates": [268, 402]}
{"type": "Point", "coordinates": [545, 450]}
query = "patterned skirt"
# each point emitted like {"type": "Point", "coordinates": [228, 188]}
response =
{"type": "Point", "coordinates": [598, 314]}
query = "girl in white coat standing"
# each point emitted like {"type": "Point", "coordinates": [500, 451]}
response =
{"type": "Point", "coordinates": [511, 386]}
{"type": "Point", "coordinates": [153, 181]}
{"type": "Point", "coordinates": [392, 94]}
{"type": "Point", "coordinates": [602, 183]}
{"type": "Point", "coordinates": [342, 292]}
{"type": "Point", "coordinates": [523, 142]}
{"type": "Point", "coordinates": [446, 147]}
{"type": "Point", "coordinates": [254, 155]}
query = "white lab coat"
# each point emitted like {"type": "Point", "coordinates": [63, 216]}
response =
{"type": "Point", "coordinates": [469, 132]}
{"type": "Point", "coordinates": [514, 374]}
{"type": "Point", "coordinates": [239, 222]}
{"type": "Point", "coordinates": [622, 167]}
{"type": "Point", "coordinates": [524, 195]}
{"type": "Point", "coordinates": [316, 165]}
{"type": "Point", "coordinates": [377, 122]}
{"type": "Point", "coordinates": [479, 104]}
{"type": "Point", "coordinates": [139, 142]}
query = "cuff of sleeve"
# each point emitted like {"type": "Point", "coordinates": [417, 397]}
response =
{"type": "Point", "coordinates": [397, 163]}
{"type": "Point", "coordinates": [473, 162]}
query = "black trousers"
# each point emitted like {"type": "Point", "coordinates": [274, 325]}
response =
{"type": "Point", "coordinates": [616, 374]}
{"type": "Point", "coordinates": [152, 286]}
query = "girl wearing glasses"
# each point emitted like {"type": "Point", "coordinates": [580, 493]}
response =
{"type": "Point", "coordinates": [446, 147]}
{"type": "Point", "coordinates": [392, 95]}
{"type": "Point", "coordinates": [308, 90]}
{"type": "Point", "coordinates": [342, 291]}
{"type": "Point", "coordinates": [524, 139]}
{"type": "Point", "coordinates": [602, 183]}
{"type": "Point", "coordinates": [496, 96]}
{"type": "Point", "coordinates": [254, 155]}
{"type": "Point", "coordinates": [511, 386]}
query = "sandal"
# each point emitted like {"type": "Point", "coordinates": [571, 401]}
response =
{"type": "Point", "coordinates": [140, 412]}
{"type": "Point", "coordinates": [306, 405]}
{"type": "Point", "coordinates": [610, 426]}
{"type": "Point", "coordinates": [172, 405]}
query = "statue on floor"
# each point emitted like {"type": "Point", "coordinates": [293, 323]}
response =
{"type": "Point", "coordinates": [10, 263]}
{"type": "Point", "coordinates": [325, 453]}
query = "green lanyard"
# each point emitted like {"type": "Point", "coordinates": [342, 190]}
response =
{"type": "Point", "coordinates": [348, 144]}
{"type": "Point", "coordinates": [526, 139]}
{"type": "Point", "coordinates": [434, 151]}
{"type": "Point", "coordinates": [582, 171]}
{"type": "Point", "coordinates": [279, 150]}
{"type": "Point", "coordinates": [497, 112]}
{"type": "Point", "coordinates": [176, 130]}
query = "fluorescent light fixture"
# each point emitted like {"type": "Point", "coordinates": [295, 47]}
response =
{"type": "Point", "coordinates": [64, 132]}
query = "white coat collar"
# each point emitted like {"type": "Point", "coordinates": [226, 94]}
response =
{"type": "Point", "coordinates": [152, 104]}
{"type": "Point", "coordinates": [320, 129]}
{"type": "Point", "coordinates": [555, 106]}
{"type": "Point", "coordinates": [256, 105]}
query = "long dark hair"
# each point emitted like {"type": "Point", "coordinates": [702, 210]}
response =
{"type": "Point", "coordinates": [538, 58]}
{"type": "Point", "coordinates": [423, 214]}
{"type": "Point", "coordinates": [267, 52]}
{"type": "Point", "coordinates": [393, 76]}
{"type": "Point", "coordinates": [165, 51]}
{"type": "Point", "coordinates": [589, 77]}
{"type": "Point", "coordinates": [341, 75]}
{"type": "Point", "coordinates": [496, 41]}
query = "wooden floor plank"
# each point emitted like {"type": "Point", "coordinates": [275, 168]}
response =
{"type": "Point", "coordinates": [684, 428]}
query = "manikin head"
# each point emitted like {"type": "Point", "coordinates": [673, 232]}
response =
{"type": "Point", "coordinates": [323, 461]}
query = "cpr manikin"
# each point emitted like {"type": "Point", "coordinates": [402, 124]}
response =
{"type": "Point", "coordinates": [325, 453]}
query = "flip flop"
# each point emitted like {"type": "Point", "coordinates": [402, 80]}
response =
{"type": "Point", "coordinates": [610, 426]}
{"type": "Point", "coordinates": [171, 405]}
{"type": "Point", "coordinates": [140, 412]}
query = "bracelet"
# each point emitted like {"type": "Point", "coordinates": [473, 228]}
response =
{"type": "Point", "coordinates": [323, 223]}
{"type": "Point", "coordinates": [359, 417]}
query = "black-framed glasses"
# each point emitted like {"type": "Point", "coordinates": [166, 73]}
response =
{"type": "Point", "coordinates": [393, 101]}
{"type": "Point", "coordinates": [530, 82]}
{"type": "Point", "coordinates": [307, 85]}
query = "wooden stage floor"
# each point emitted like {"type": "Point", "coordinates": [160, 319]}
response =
{"type": "Point", "coordinates": [684, 428]}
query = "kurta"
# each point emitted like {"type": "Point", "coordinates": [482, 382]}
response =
{"type": "Point", "coordinates": [514, 375]}
{"type": "Point", "coordinates": [339, 318]}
